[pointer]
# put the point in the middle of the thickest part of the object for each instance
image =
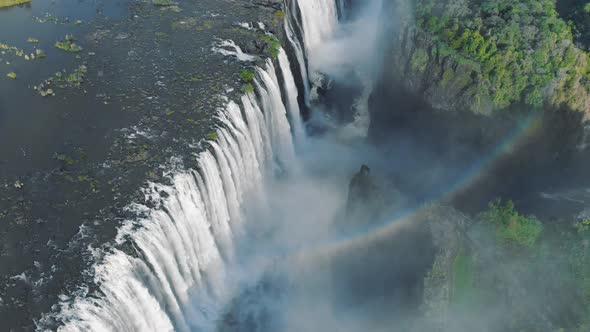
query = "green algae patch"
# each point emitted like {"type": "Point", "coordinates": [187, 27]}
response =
{"type": "Point", "coordinates": [10, 3]}
{"type": "Point", "coordinates": [11, 75]}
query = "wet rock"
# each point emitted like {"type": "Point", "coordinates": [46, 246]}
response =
{"type": "Point", "coordinates": [365, 199]}
{"type": "Point", "coordinates": [251, 47]}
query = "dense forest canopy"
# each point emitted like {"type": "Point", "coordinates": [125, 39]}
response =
{"type": "Point", "coordinates": [518, 51]}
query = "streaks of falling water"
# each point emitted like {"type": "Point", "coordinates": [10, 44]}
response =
{"type": "Point", "coordinates": [291, 98]}
{"type": "Point", "coordinates": [298, 49]}
{"type": "Point", "coordinates": [275, 118]}
{"type": "Point", "coordinates": [178, 278]}
{"type": "Point", "coordinates": [319, 22]}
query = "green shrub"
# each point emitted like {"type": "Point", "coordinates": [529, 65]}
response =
{"type": "Point", "coordinates": [247, 75]}
{"type": "Point", "coordinates": [212, 136]}
{"type": "Point", "coordinates": [274, 45]}
{"type": "Point", "coordinates": [512, 228]}
{"type": "Point", "coordinates": [248, 88]}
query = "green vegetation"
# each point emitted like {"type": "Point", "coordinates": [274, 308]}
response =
{"type": "Point", "coordinates": [212, 136]}
{"type": "Point", "coordinates": [11, 75]}
{"type": "Point", "coordinates": [273, 44]}
{"type": "Point", "coordinates": [247, 75]}
{"type": "Point", "coordinates": [10, 3]}
{"type": "Point", "coordinates": [5, 48]}
{"type": "Point", "coordinates": [579, 257]}
{"type": "Point", "coordinates": [280, 14]}
{"type": "Point", "coordinates": [248, 88]}
{"type": "Point", "coordinates": [164, 3]}
{"type": "Point", "coordinates": [500, 263]}
{"type": "Point", "coordinates": [512, 228]}
{"type": "Point", "coordinates": [73, 79]}
{"type": "Point", "coordinates": [519, 51]}
{"type": "Point", "coordinates": [62, 79]}
{"type": "Point", "coordinates": [463, 279]}
{"type": "Point", "coordinates": [577, 14]}
{"type": "Point", "coordinates": [68, 45]}
{"type": "Point", "coordinates": [419, 60]}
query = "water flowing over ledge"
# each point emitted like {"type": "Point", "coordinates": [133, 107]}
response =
{"type": "Point", "coordinates": [178, 277]}
{"type": "Point", "coordinates": [179, 280]}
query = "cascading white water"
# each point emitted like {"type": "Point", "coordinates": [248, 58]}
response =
{"type": "Point", "coordinates": [275, 118]}
{"type": "Point", "coordinates": [319, 22]}
{"type": "Point", "coordinates": [291, 96]}
{"type": "Point", "coordinates": [178, 280]}
{"type": "Point", "coordinates": [290, 32]}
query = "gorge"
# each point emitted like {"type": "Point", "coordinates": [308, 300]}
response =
{"type": "Point", "coordinates": [471, 214]}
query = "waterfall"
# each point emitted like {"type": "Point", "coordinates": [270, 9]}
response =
{"type": "Point", "coordinates": [175, 273]}
{"type": "Point", "coordinates": [276, 118]}
{"type": "Point", "coordinates": [178, 278]}
{"type": "Point", "coordinates": [291, 96]}
{"type": "Point", "coordinates": [290, 32]}
{"type": "Point", "coordinates": [319, 22]}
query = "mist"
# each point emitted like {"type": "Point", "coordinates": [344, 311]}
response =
{"type": "Point", "coordinates": [307, 263]}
